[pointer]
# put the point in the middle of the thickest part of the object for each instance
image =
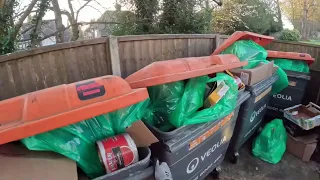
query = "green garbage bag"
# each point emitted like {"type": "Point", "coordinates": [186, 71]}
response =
{"type": "Point", "coordinates": [280, 84]}
{"type": "Point", "coordinates": [176, 104]}
{"type": "Point", "coordinates": [77, 141]}
{"type": "Point", "coordinates": [187, 111]}
{"type": "Point", "coordinates": [292, 65]}
{"type": "Point", "coordinates": [270, 144]}
{"type": "Point", "coordinates": [163, 101]}
{"type": "Point", "coordinates": [246, 50]}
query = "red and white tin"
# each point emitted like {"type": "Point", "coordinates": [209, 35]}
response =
{"type": "Point", "coordinates": [117, 152]}
{"type": "Point", "coordinates": [238, 81]}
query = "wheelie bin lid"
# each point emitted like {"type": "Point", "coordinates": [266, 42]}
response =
{"type": "Point", "coordinates": [262, 40]}
{"type": "Point", "coordinates": [163, 72]}
{"type": "Point", "coordinates": [291, 55]}
{"type": "Point", "coordinates": [59, 106]}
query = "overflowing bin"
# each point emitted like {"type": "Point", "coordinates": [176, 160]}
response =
{"type": "Point", "coordinates": [296, 67]}
{"type": "Point", "coordinates": [191, 151]}
{"type": "Point", "coordinates": [59, 106]}
{"type": "Point", "coordinates": [251, 115]}
{"type": "Point", "coordinates": [63, 106]}
{"type": "Point", "coordinates": [261, 40]}
{"type": "Point", "coordinates": [199, 150]}
{"type": "Point", "coordinates": [259, 82]}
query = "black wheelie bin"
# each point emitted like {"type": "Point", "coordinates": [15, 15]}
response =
{"type": "Point", "coordinates": [296, 66]}
{"type": "Point", "coordinates": [252, 111]}
{"type": "Point", "coordinates": [251, 115]}
{"type": "Point", "coordinates": [191, 151]}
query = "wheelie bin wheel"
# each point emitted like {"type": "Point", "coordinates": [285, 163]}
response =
{"type": "Point", "coordinates": [215, 174]}
{"type": "Point", "coordinates": [234, 158]}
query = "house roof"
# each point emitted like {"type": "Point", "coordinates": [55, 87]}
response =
{"type": "Point", "coordinates": [47, 28]}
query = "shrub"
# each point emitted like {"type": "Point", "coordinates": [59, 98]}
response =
{"type": "Point", "coordinates": [290, 35]}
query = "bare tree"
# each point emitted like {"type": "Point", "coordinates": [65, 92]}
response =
{"type": "Point", "coordinates": [24, 15]}
{"type": "Point", "coordinates": [304, 20]}
{"type": "Point", "coordinates": [72, 15]}
{"type": "Point", "coordinates": [307, 11]}
{"type": "Point", "coordinates": [73, 18]}
{"type": "Point", "coordinates": [65, 28]}
{"type": "Point", "coordinates": [58, 21]}
{"type": "Point", "coordinates": [42, 7]}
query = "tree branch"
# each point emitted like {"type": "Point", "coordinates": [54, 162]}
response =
{"type": "Point", "coordinates": [98, 22]}
{"type": "Point", "coordinates": [18, 15]}
{"type": "Point", "coordinates": [32, 26]}
{"type": "Point", "coordinates": [100, 4]}
{"type": "Point", "coordinates": [23, 17]}
{"type": "Point", "coordinates": [79, 24]}
{"type": "Point", "coordinates": [47, 36]}
{"type": "Point", "coordinates": [58, 22]}
{"type": "Point", "coordinates": [84, 5]}
{"type": "Point", "coordinates": [219, 2]}
{"type": "Point", "coordinates": [71, 9]}
{"type": "Point", "coordinates": [26, 30]}
{"type": "Point", "coordinates": [95, 9]}
{"type": "Point", "coordinates": [64, 12]}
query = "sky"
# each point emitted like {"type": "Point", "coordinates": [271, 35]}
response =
{"type": "Point", "coordinates": [286, 23]}
{"type": "Point", "coordinates": [94, 11]}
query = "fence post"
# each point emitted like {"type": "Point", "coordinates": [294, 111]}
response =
{"type": "Point", "coordinates": [218, 40]}
{"type": "Point", "coordinates": [114, 55]}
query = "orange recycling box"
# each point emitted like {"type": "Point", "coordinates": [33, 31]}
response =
{"type": "Point", "coordinates": [59, 106]}
{"type": "Point", "coordinates": [262, 40]}
{"type": "Point", "coordinates": [291, 55]}
{"type": "Point", "coordinates": [162, 72]}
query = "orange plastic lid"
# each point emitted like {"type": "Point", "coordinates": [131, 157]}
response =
{"type": "Point", "coordinates": [162, 72]}
{"type": "Point", "coordinates": [59, 106]}
{"type": "Point", "coordinates": [262, 40]}
{"type": "Point", "coordinates": [291, 55]}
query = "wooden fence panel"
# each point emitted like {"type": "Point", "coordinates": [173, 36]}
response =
{"type": "Point", "coordinates": [220, 39]}
{"type": "Point", "coordinates": [137, 52]}
{"type": "Point", "coordinates": [40, 68]}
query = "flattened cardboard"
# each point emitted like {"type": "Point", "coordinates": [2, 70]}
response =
{"type": "Point", "coordinates": [302, 147]}
{"type": "Point", "coordinates": [255, 75]}
{"type": "Point", "coordinates": [17, 162]}
{"type": "Point", "coordinates": [141, 135]}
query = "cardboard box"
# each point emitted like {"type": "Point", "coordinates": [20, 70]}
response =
{"type": "Point", "coordinates": [255, 75]}
{"type": "Point", "coordinates": [17, 162]}
{"type": "Point", "coordinates": [302, 147]}
{"type": "Point", "coordinates": [216, 94]}
{"type": "Point", "coordinates": [295, 130]}
{"type": "Point", "coordinates": [141, 135]}
{"type": "Point", "coordinates": [307, 117]}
